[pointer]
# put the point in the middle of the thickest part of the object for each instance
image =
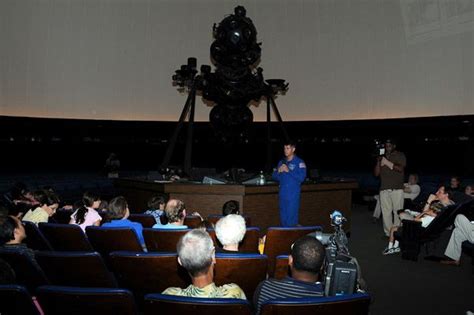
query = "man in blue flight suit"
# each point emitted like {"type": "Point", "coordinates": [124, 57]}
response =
{"type": "Point", "coordinates": [291, 172]}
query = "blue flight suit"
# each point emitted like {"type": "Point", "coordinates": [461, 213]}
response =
{"type": "Point", "coordinates": [290, 189]}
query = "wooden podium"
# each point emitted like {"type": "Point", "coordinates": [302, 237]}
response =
{"type": "Point", "coordinates": [318, 200]}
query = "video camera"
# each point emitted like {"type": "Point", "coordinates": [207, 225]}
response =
{"type": "Point", "coordinates": [342, 272]}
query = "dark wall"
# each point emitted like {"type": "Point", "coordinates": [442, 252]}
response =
{"type": "Point", "coordinates": [432, 145]}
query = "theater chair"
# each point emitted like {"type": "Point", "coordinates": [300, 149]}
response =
{"type": "Point", "coordinates": [145, 273]}
{"type": "Point", "coordinates": [172, 305]}
{"type": "Point", "coordinates": [77, 269]}
{"type": "Point", "coordinates": [245, 270]}
{"type": "Point", "coordinates": [65, 237]}
{"type": "Point", "coordinates": [35, 239]}
{"type": "Point", "coordinates": [15, 299]}
{"type": "Point", "coordinates": [248, 245]}
{"type": "Point", "coordinates": [146, 220]}
{"type": "Point", "coordinates": [412, 235]}
{"type": "Point", "coordinates": [62, 216]}
{"type": "Point", "coordinates": [162, 240]}
{"type": "Point", "coordinates": [282, 270]}
{"type": "Point", "coordinates": [192, 221]}
{"type": "Point", "coordinates": [27, 272]}
{"type": "Point", "coordinates": [213, 218]}
{"type": "Point", "coordinates": [280, 239]}
{"type": "Point", "coordinates": [79, 301]}
{"type": "Point", "coordinates": [354, 304]}
{"type": "Point", "coordinates": [107, 240]}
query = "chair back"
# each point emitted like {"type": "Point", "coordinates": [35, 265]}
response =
{"type": "Point", "coordinates": [213, 218]}
{"type": "Point", "coordinates": [355, 304]}
{"type": "Point", "coordinates": [248, 245]}
{"type": "Point", "coordinates": [162, 240]}
{"type": "Point", "coordinates": [146, 220]}
{"type": "Point", "coordinates": [65, 237]}
{"type": "Point", "coordinates": [280, 239]}
{"type": "Point", "coordinates": [282, 269]}
{"type": "Point", "coordinates": [107, 240]}
{"type": "Point", "coordinates": [28, 272]}
{"type": "Point", "coordinates": [171, 305]}
{"type": "Point", "coordinates": [144, 273]}
{"type": "Point", "coordinates": [35, 239]}
{"type": "Point", "coordinates": [15, 299]}
{"type": "Point", "coordinates": [192, 221]}
{"type": "Point", "coordinates": [76, 269]}
{"type": "Point", "coordinates": [245, 270]}
{"type": "Point", "coordinates": [62, 216]}
{"type": "Point", "coordinates": [79, 301]}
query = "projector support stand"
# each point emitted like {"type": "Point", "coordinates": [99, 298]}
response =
{"type": "Point", "coordinates": [189, 107]}
{"type": "Point", "coordinates": [272, 105]}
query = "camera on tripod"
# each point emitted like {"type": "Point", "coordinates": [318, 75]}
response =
{"type": "Point", "coordinates": [342, 272]}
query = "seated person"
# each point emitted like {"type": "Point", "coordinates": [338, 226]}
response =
{"type": "Point", "coordinates": [434, 205]}
{"type": "Point", "coordinates": [48, 204]}
{"type": "Point", "coordinates": [230, 231]}
{"type": "Point", "coordinates": [12, 234]}
{"type": "Point", "coordinates": [175, 212]}
{"type": "Point", "coordinates": [22, 199]}
{"type": "Point", "coordinates": [469, 190]}
{"type": "Point", "coordinates": [455, 183]}
{"type": "Point", "coordinates": [463, 231]}
{"type": "Point", "coordinates": [156, 207]}
{"type": "Point", "coordinates": [305, 261]}
{"type": "Point", "coordinates": [196, 254]}
{"type": "Point", "coordinates": [118, 214]}
{"type": "Point", "coordinates": [231, 207]}
{"type": "Point", "coordinates": [87, 215]}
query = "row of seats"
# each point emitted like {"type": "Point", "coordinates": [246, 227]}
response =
{"type": "Point", "coordinates": [54, 300]}
{"type": "Point", "coordinates": [67, 237]}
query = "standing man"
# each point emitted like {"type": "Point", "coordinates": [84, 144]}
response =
{"type": "Point", "coordinates": [390, 168]}
{"type": "Point", "coordinates": [291, 172]}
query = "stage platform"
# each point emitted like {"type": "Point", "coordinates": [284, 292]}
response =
{"type": "Point", "coordinates": [318, 200]}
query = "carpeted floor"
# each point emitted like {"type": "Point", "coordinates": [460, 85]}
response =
{"type": "Point", "coordinates": [405, 287]}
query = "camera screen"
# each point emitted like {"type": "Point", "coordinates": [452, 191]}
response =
{"type": "Point", "coordinates": [382, 151]}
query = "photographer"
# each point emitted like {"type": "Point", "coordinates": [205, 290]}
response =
{"type": "Point", "coordinates": [390, 167]}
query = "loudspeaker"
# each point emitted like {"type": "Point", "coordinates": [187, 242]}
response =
{"type": "Point", "coordinates": [341, 278]}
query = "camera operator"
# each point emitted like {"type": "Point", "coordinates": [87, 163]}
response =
{"type": "Point", "coordinates": [390, 167]}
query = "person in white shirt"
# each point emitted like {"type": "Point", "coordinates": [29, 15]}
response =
{"type": "Point", "coordinates": [87, 215]}
{"type": "Point", "coordinates": [411, 190]}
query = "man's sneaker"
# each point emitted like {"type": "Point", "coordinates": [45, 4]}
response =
{"type": "Point", "coordinates": [389, 251]}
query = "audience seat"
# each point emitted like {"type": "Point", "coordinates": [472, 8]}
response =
{"type": "Point", "coordinates": [35, 239]}
{"type": "Point", "coordinates": [245, 270]}
{"type": "Point", "coordinates": [65, 237]}
{"type": "Point", "coordinates": [107, 240]}
{"type": "Point", "coordinates": [280, 239]}
{"type": "Point", "coordinates": [282, 270]}
{"type": "Point", "coordinates": [192, 221]}
{"type": "Point", "coordinates": [146, 220]}
{"type": "Point", "coordinates": [62, 216]}
{"type": "Point", "coordinates": [27, 272]}
{"type": "Point", "coordinates": [145, 273]}
{"type": "Point", "coordinates": [248, 245]}
{"type": "Point", "coordinates": [172, 305]}
{"type": "Point", "coordinates": [162, 240]}
{"type": "Point", "coordinates": [79, 301]}
{"type": "Point", "coordinates": [213, 218]}
{"type": "Point", "coordinates": [355, 304]}
{"type": "Point", "coordinates": [15, 299]}
{"type": "Point", "coordinates": [79, 269]}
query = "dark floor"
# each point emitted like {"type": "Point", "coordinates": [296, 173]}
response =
{"type": "Point", "coordinates": [404, 287]}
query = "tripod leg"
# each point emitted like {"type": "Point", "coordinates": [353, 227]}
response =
{"type": "Point", "coordinates": [278, 116]}
{"type": "Point", "coordinates": [268, 165]}
{"type": "Point", "coordinates": [174, 137]}
{"type": "Point", "coordinates": [189, 138]}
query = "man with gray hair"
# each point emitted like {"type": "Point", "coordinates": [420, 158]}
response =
{"type": "Point", "coordinates": [196, 254]}
{"type": "Point", "coordinates": [230, 231]}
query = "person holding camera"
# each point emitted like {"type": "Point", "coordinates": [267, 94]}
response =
{"type": "Point", "coordinates": [390, 167]}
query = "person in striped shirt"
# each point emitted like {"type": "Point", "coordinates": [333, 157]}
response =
{"type": "Point", "coordinates": [305, 261]}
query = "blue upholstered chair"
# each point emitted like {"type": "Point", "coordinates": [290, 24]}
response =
{"type": "Point", "coordinates": [65, 237]}
{"type": "Point", "coordinates": [354, 304]}
{"type": "Point", "coordinates": [69, 300]}
{"type": "Point", "coordinates": [171, 305]}
{"type": "Point", "coordinates": [15, 299]}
